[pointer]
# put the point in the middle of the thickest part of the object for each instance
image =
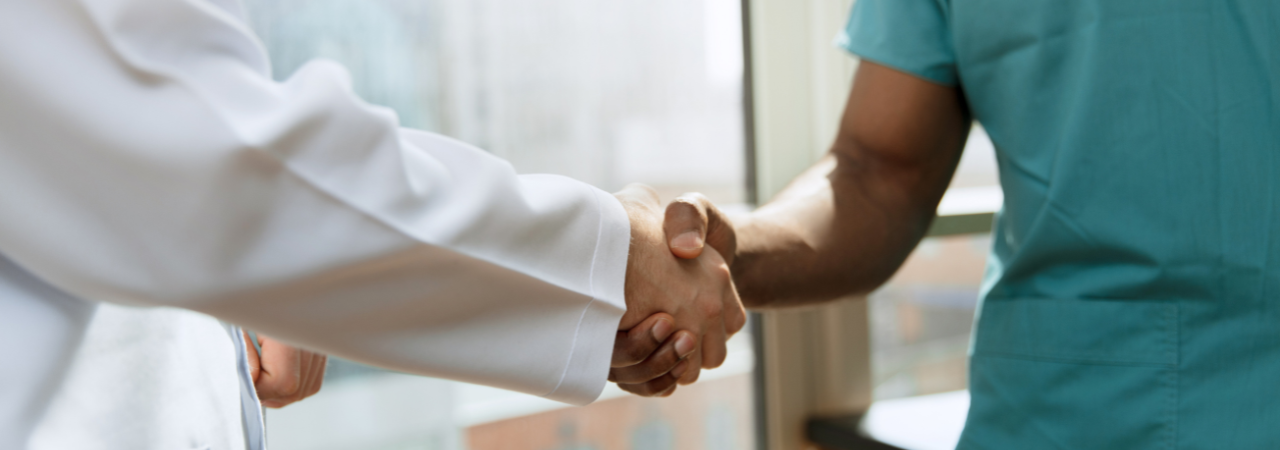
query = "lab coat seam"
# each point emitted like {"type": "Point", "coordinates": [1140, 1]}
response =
{"type": "Point", "coordinates": [573, 349]}
{"type": "Point", "coordinates": [591, 286]}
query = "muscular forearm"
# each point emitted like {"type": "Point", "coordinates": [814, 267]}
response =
{"type": "Point", "coordinates": [840, 229]}
{"type": "Point", "coordinates": [845, 226]}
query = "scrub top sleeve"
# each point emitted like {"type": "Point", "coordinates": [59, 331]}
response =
{"type": "Point", "coordinates": [909, 35]}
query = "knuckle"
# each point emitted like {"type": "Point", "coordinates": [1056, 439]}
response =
{"type": "Point", "coordinates": [691, 376]}
{"type": "Point", "coordinates": [694, 198]}
{"type": "Point", "coordinates": [722, 273]}
{"type": "Point", "coordinates": [738, 321]}
{"type": "Point", "coordinates": [714, 361]}
{"type": "Point", "coordinates": [699, 199]}
{"type": "Point", "coordinates": [710, 307]}
{"type": "Point", "coordinates": [690, 207]}
{"type": "Point", "coordinates": [682, 205]}
{"type": "Point", "coordinates": [289, 387]}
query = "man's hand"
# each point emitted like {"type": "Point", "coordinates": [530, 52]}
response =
{"type": "Point", "coordinates": [692, 222]}
{"type": "Point", "coordinates": [283, 374]}
{"type": "Point", "coordinates": [697, 294]}
{"type": "Point", "coordinates": [845, 225]}
{"type": "Point", "coordinates": [640, 367]}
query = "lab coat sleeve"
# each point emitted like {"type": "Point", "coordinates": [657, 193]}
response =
{"type": "Point", "coordinates": [147, 158]}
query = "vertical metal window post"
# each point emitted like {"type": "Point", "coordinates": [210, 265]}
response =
{"type": "Point", "coordinates": [815, 360]}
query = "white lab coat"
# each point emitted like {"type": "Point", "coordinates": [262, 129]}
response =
{"type": "Point", "coordinates": [147, 158]}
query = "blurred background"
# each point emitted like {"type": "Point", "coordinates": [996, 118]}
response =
{"type": "Point", "coordinates": [608, 92]}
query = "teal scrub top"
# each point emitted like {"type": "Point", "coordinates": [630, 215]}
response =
{"type": "Point", "coordinates": [1132, 298]}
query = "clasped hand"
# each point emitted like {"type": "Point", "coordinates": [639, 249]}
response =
{"type": "Point", "coordinates": [682, 306]}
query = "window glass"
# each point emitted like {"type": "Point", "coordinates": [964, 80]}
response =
{"type": "Point", "coordinates": [605, 92]}
{"type": "Point", "coordinates": [921, 320]}
{"type": "Point", "coordinates": [977, 166]}
{"type": "Point", "coordinates": [608, 92]}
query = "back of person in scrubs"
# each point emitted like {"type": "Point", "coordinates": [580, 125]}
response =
{"type": "Point", "coordinates": [1132, 298]}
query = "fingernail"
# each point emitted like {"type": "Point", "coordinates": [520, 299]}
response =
{"type": "Point", "coordinates": [680, 369]}
{"type": "Point", "coordinates": [689, 240]}
{"type": "Point", "coordinates": [684, 345]}
{"type": "Point", "coordinates": [661, 330]}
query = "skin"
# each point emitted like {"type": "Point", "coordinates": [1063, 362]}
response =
{"type": "Point", "coordinates": [697, 293]}
{"type": "Point", "coordinates": [680, 313]}
{"type": "Point", "coordinates": [845, 225]}
{"type": "Point", "coordinates": [284, 374]}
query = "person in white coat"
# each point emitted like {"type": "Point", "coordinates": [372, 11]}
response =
{"type": "Point", "coordinates": [148, 159]}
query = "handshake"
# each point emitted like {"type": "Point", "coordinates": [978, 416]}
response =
{"type": "Point", "coordinates": [682, 306]}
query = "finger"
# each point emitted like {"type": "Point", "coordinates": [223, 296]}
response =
{"type": "Point", "coordinates": [693, 369]}
{"type": "Point", "coordinates": [721, 235]}
{"type": "Point", "coordinates": [659, 387]}
{"type": "Point", "coordinates": [692, 222]}
{"type": "Point", "coordinates": [637, 344]}
{"type": "Point", "coordinates": [320, 363]}
{"type": "Point", "coordinates": [685, 225]}
{"type": "Point", "coordinates": [735, 314]}
{"type": "Point", "coordinates": [308, 375]}
{"type": "Point", "coordinates": [281, 376]}
{"type": "Point", "coordinates": [660, 363]}
{"type": "Point", "coordinates": [714, 350]}
{"type": "Point", "coordinates": [305, 375]}
{"type": "Point", "coordinates": [255, 361]}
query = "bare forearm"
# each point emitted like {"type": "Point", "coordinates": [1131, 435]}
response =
{"type": "Point", "coordinates": [841, 228]}
{"type": "Point", "coordinates": [846, 225]}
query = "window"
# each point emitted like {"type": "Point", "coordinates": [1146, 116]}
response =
{"type": "Point", "coordinates": [921, 319]}
{"type": "Point", "coordinates": [605, 92]}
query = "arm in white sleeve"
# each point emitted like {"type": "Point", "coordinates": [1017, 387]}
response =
{"type": "Point", "coordinates": [146, 157]}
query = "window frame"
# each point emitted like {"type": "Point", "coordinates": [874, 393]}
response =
{"type": "Point", "coordinates": [813, 363]}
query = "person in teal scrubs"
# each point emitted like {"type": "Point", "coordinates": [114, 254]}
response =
{"type": "Point", "coordinates": [1132, 298]}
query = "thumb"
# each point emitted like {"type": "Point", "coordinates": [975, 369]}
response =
{"type": "Point", "coordinates": [692, 221]}
{"type": "Point", "coordinates": [685, 225]}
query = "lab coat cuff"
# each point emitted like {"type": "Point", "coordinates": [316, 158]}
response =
{"type": "Point", "coordinates": [588, 366]}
